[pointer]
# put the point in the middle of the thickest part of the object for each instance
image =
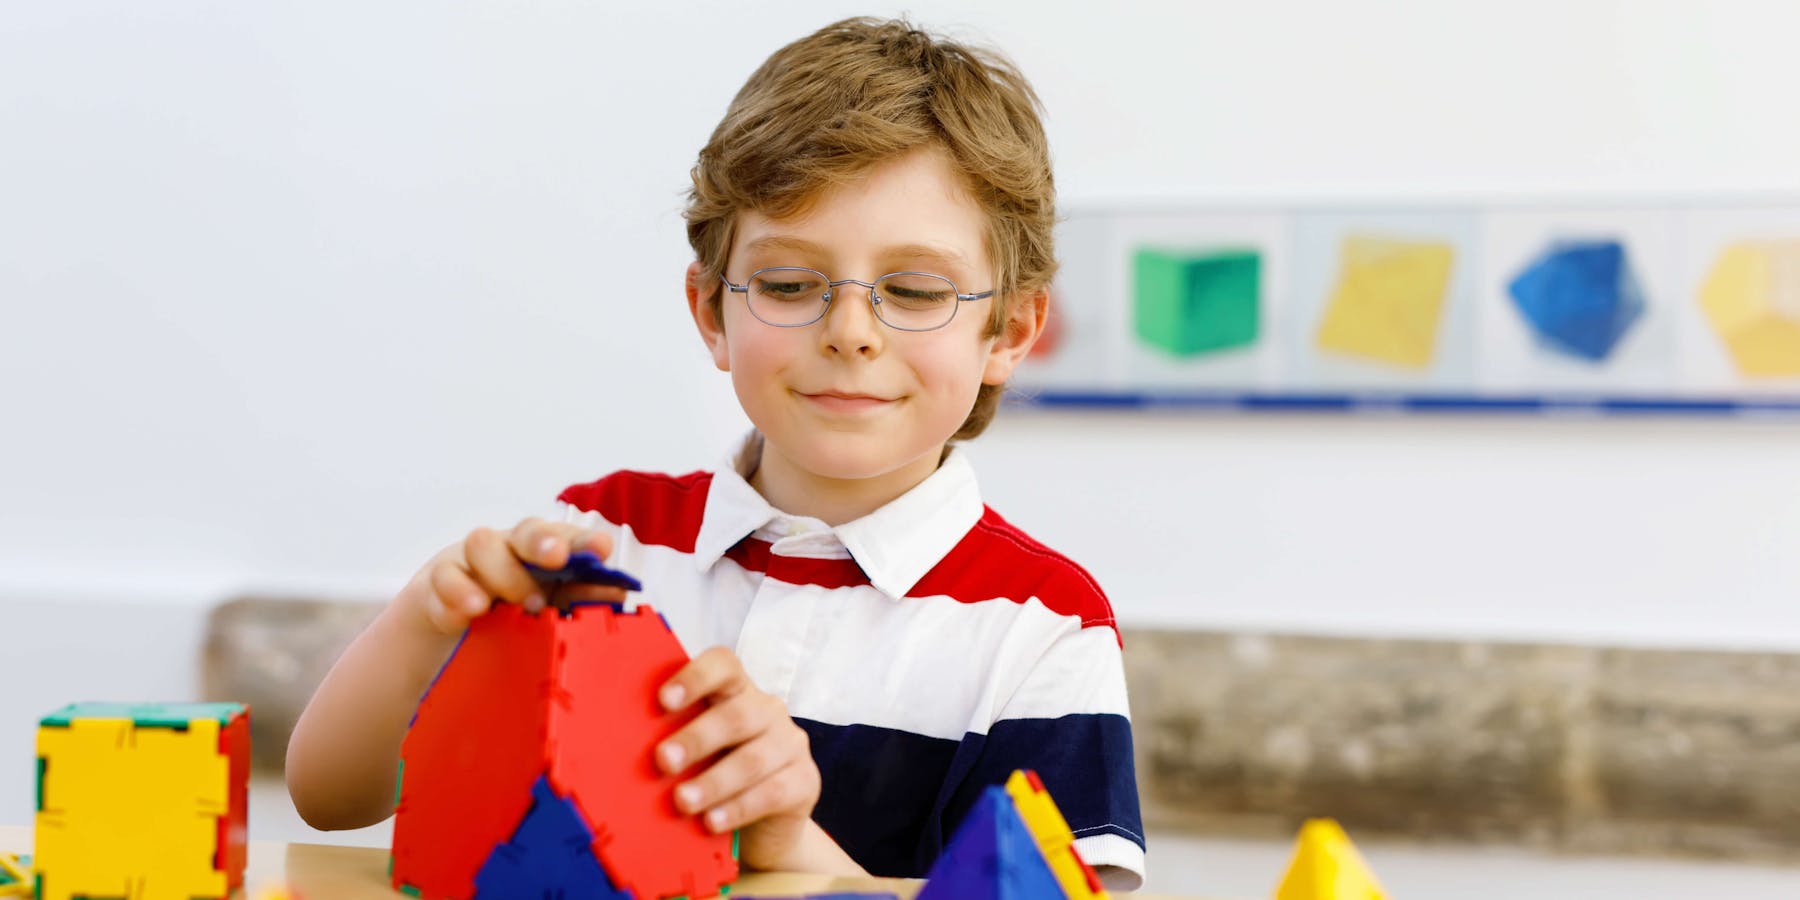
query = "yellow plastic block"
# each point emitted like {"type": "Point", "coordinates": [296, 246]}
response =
{"type": "Point", "coordinates": [131, 812]}
{"type": "Point", "coordinates": [1326, 866]}
{"type": "Point", "coordinates": [1388, 301]}
{"type": "Point", "coordinates": [1752, 300]}
{"type": "Point", "coordinates": [1053, 836]}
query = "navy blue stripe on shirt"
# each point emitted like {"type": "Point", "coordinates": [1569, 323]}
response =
{"type": "Point", "coordinates": [892, 799]}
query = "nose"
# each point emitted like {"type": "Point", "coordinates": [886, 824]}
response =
{"type": "Point", "coordinates": [851, 326]}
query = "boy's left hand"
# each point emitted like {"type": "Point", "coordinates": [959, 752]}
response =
{"type": "Point", "coordinates": [765, 781]}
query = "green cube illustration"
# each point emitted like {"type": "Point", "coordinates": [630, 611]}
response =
{"type": "Point", "coordinates": [1189, 302]}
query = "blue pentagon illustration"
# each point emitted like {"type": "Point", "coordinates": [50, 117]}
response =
{"type": "Point", "coordinates": [1580, 298]}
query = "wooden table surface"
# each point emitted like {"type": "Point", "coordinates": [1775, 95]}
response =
{"type": "Point", "coordinates": [324, 872]}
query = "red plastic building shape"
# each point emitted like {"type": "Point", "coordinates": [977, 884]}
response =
{"type": "Point", "coordinates": [571, 695]}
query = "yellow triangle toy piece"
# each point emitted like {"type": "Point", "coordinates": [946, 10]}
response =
{"type": "Point", "coordinates": [1326, 866]}
{"type": "Point", "coordinates": [1054, 839]}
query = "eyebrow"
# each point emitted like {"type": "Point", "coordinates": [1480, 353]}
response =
{"type": "Point", "coordinates": [943, 255]}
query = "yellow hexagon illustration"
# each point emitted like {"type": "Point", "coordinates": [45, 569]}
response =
{"type": "Point", "coordinates": [1752, 299]}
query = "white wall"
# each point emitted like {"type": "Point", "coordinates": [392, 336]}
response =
{"type": "Point", "coordinates": [294, 294]}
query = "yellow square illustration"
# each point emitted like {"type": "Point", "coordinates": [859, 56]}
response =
{"type": "Point", "coordinates": [1388, 301]}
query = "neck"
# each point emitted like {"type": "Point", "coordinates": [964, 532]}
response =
{"type": "Point", "coordinates": [834, 501]}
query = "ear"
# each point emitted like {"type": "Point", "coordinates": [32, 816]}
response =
{"type": "Point", "coordinates": [707, 317]}
{"type": "Point", "coordinates": [1024, 323]}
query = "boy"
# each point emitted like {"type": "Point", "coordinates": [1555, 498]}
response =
{"type": "Point", "coordinates": [872, 229]}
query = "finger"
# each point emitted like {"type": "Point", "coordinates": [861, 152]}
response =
{"type": "Point", "coordinates": [752, 761]}
{"type": "Point", "coordinates": [716, 673]}
{"type": "Point", "coordinates": [497, 570]}
{"type": "Point", "coordinates": [547, 544]}
{"type": "Point", "coordinates": [455, 598]}
{"type": "Point", "coordinates": [793, 789]}
{"type": "Point", "coordinates": [726, 724]}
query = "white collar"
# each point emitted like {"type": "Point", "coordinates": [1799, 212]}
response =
{"type": "Point", "coordinates": [894, 545]}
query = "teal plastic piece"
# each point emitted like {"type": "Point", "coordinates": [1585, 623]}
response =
{"type": "Point", "coordinates": [146, 715]}
{"type": "Point", "coordinates": [24, 861]}
{"type": "Point", "coordinates": [1189, 303]}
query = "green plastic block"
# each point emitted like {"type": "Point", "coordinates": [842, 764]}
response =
{"type": "Point", "coordinates": [42, 765]}
{"type": "Point", "coordinates": [146, 715]}
{"type": "Point", "coordinates": [411, 891]}
{"type": "Point", "coordinates": [1187, 302]}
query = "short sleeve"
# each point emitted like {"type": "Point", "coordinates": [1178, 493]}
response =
{"type": "Point", "coordinates": [1069, 722]}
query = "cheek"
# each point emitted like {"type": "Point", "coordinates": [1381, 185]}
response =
{"type": "Point", "coordinates": [954, 370]}
{"type": "Point", "coordinates": [758, 352]}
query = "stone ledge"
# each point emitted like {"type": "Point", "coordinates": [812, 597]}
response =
{"type": "Point", "coordinates": [1553, 747]}
{"type": "Point", "coordinates": [272, 652]}
{"type": "Point", "coordinates": [1569, 748]}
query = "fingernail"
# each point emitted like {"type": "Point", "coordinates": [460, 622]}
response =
{"type": "Point", "coordinates": [534, 602]}
{"type": "Point", "coordinates": [672, 696]}
{"type": "Point", "coordinates": [672, 755]}
{"type": "Point", "coordinates": [546, 547]}
{"type": "Point", "coordinates": [688, 795]}
{"type": "Point", "coordinates": [716, 820]}
{"type": "Point", "coordinates": [474, 603]}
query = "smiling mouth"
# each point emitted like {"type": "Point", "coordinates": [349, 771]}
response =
{"type": "Point", "coordinates": [846, 402]}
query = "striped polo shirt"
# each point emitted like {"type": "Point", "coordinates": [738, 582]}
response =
{"type": "Point", "coordinates": [928, 649]}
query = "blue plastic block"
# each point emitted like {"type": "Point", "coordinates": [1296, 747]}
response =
{"type": "Point", "coordinates": [550, 856]}
{"type": "Point", "coordinates": [585, 567]}
{"type": "Point", "coordinates": [1580, 298]}
{"type": "Point", "coordinates": [992, 855]}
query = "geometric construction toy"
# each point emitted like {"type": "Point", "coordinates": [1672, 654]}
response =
{"type": "Point", "coordinates": [528, 769]}
{"type": "Point", "coordinates": [15, 876]}
{"type": "Point", "coordinates": [1013, 844]}
{"type": "Point", "coordinates": [1389, 298]}
{"type": "Point", "coordinates": [146, 801]}
{"type": "Point", "coordinates": [1190, 303]}
{"type": "Point", "coordinates": [1752, 299]}
{"type": "Point", "coordinates": [1579, 298]}
{"type": "Point", "coordinates": [1326, 866]}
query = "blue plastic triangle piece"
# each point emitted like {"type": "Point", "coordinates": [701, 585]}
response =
{"type": "Point", "coordinates": [992, 855]}
{"type": "Point", "coordinates": [550, 857]}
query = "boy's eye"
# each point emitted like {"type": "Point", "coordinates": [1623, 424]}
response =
{"type": "Point", "coordinates": [789, 288]}
{"type": "Point", "coordinates": [917, 291]}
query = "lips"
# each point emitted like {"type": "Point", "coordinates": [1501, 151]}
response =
{"type": "Point", "coordinates": [846, 401]}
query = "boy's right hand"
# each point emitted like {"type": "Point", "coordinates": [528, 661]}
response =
{"type": "Point", "coordinates": [464, 580]}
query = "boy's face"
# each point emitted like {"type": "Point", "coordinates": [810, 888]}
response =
{"type": "Point", "coordinates": [849, 397]}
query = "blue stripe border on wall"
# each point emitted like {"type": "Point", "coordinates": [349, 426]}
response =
{"type": "Point", "coordinates": [1232, 401]}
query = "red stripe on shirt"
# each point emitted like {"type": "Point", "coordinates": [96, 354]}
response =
{"type": "Point", "coordinates": [664, 510]}
{"type": "Point", "coordinates": [756, 556]}
{"type": "Point", "coordinates": [996, 560]}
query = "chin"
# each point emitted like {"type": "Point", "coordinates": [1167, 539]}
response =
{"type": "Point", "coordinates": [855, 459]}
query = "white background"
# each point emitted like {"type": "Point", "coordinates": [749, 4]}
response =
{"type": "Point", "coordinates": [294, 294]}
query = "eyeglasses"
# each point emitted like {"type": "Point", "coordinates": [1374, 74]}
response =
{"type": "Point", "coordinates": [793, 297]}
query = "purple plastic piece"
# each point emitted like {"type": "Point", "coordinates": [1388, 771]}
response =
{"type": "Point", "coordinates": [585, 568]}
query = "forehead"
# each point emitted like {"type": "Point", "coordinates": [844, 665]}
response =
{"type": "Point", "coordinates": [911, 207]}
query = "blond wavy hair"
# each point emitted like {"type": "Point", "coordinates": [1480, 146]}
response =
{"type": "Point", "coordinates": [828, 107]}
